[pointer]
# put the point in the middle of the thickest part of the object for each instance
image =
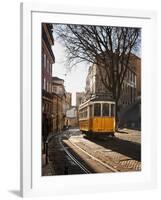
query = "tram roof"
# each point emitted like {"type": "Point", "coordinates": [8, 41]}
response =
{"type": "Point", "coordinates": [101, 98]}
{"type": "Point", "coordinates": [97, 99]}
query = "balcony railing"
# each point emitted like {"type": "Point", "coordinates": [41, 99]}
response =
{"type": "Point", "coordinates": [47, 94]}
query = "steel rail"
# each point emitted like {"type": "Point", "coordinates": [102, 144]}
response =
{"type": "Point", "coordinates": [74, 159]}
{"type": "Point", "coordinates": [94, 158]}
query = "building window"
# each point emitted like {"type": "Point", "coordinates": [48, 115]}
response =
{"type": "Point", "coordinates": [55, 89]}
{"type": "Point", "coordinates": [46, 64]}
{"type": "Point", "coordinates": [130, 74]}
{"type": "Point", "coordinates": [44, 107]}
{"type": "Point", "coordinates": [47, 86]}
{"type": "Point", "coordinates": [135, 80]}
{"type": "Point", "coordinates": [47, 107]}
{"type": "Point", "coordinates": [131, 77]}
{"type": "Point", "coordinates": [44, 60]}
{"type": "Point", "coordinates": [51, 69]}
{"type": "Point", "coordinates": [44, 84]}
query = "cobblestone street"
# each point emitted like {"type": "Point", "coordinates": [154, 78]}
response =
{"type": "Point", "coordinates": [119, 154]}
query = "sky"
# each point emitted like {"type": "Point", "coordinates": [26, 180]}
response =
{"type": "Point", "coordinates": [75, 79]}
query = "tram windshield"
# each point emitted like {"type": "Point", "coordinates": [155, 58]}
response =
{"type": "Point", "coordinates": [97, 109]}
{"type": "Point", "coordinates": [108, 109]}
{"type": "Point", "coordinates": [105, 109]}
{"type": "Point", "coordinates": [102, 109]}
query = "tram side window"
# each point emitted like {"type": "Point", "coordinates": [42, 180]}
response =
{"type": "Point", "coordinates": [80, 114]}
{"type": "Point", "coordinates": [112, 110]}
{"type": "Point", "coordinates": [97, 109]}
{"type": "Point", "coordinates": [105, 110]}
{"type": "Point", "coordinates": [85, 112]}
{"type": "Point", "coordinates": [90, 111]}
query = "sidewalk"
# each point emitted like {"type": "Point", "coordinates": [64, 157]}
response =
{"type": "Point", "coordinates": [46, 168]}
{"type": "Point", "coordinates": [129, 135]}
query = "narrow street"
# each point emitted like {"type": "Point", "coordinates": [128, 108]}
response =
{"type": "Point", "coordinates": [71, 152]}
{"type": "Point", "coordinates": [91, 79]}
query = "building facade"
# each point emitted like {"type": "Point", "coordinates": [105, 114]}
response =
{"type": "Point", "coordinates": [131, 86]}
{"type": "Point", "coordinates": [136, 62]}
{"type": "Point", "coordinates": [94, 85]}
{"type": "Point", "coordinates": [69, 98]}
{"type": "Point", "coordinates": [58, 92]}
{"type": "Point", "coordinates": [72, 117]}
{"type": "Point", "coordinates": [130, 101]}
{"type": "Point", "coordinates": [61, 103]}
{"type": "Point", "coordinates": [80, 96]}
{"type": "Point", "coordinates": [48, 59]}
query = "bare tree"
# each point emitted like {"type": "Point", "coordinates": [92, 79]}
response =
{"type": "Point", "coordinates": [108, 47]}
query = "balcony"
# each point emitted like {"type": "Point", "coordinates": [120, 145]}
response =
{"type": "Point", "coordinates": [47, 94]}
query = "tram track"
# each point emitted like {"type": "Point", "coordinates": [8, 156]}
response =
{"type": "Point", "coordinates": [70, 153]}
{"type": "Point", "coordinates": [112, 169]}
{"type": "Point", "coordinates": [78, 163]}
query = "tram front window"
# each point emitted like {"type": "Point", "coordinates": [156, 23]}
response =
{"type": "Point", "coordinates": [97, 109]}
{"type": "Point", "coordinates": [105, 109]}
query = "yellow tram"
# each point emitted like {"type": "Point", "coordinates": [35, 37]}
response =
{"type": "Point", "coordinates": [97, 117]}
